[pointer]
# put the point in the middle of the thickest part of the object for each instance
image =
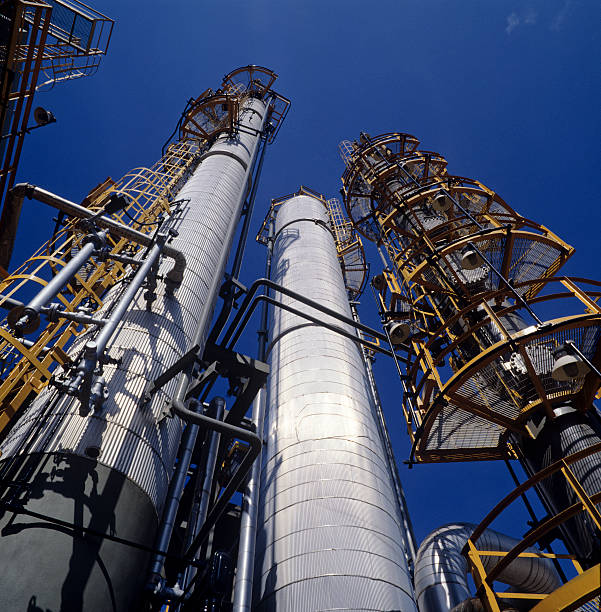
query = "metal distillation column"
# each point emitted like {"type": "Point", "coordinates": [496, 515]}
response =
{"type": "Point", "coordinates": [486, 378]}
{"type": "Point", "coordinates": [109, 471]}
{"type": "Point", "coordinates": [329, 524]}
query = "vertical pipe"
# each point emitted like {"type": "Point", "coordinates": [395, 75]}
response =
{"type": "Point", "coordinates": [243, 585]}
{"type": "Point", "coordinates": [110, 470]}
{"type": "Point", "coordinates": [407, 531]}
{"type": "Point", "coordinates": [330, 532]}
{"type": "Point", "coordinates": [174, 494]}
{"type": "Point", "coordinates": [202, 496]}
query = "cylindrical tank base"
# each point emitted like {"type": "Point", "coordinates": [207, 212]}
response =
{"type": "Point", "coordinates": [60, 568]}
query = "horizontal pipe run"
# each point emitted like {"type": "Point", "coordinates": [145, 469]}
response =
{"type": "Point", "coordinates": [9, 303]}
{"type": "Point", "coordinates": [174, 276]}
{"type": "Point", "coordinates": [297, 296]}
{"type": "Point", "coordinates": [315, 320]}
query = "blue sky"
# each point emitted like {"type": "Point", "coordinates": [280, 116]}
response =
{"type": "Point", "coordinates": [507, 90]}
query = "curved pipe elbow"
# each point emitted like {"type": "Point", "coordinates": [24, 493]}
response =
{"type": "Point", "coordinates": [441, 569]}
{"type": "Point", "coordinates": [23, 190]}
{"type": "Point", "coordinates": [175, 276]}
{"type": "Point", "coordinates": [215, 424]}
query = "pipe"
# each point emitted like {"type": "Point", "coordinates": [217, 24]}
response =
{"type": "Point", "coordinates": [297, 296]}
{"type": "Point", "coordinates": [232, 431]}
{"type": "Point", "coordinates": [121, 308]}
{"type": "Point", "coordinates": [243, 586]}
{"type": "Point", "coordinates": [94, 349]}
{"type": "Point", "coordinates": [441, 569]}
{"type": "Point", "coordinates": [174, 494]}
{"type": "Point", "coordinates": [173, 278]}
{"type": "Point", "coordinates": [248, 521]}
{"type": "Point", "coordinates": [567, 434]}
{"type": "Point", "coordinates": [202, 498]}
{"type": "Point", "coordinates": [408, 533]}
{"type": "Point", "coordinates": [29, 317]}
{"type": "Point", "coordinates": [248, 214]}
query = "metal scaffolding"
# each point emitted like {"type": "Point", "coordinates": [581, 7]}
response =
{"type": "Point", "coordinates": [461, 296]}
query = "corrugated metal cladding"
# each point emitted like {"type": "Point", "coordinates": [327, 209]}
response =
{"type": "Point", "coordinates": [132, 439]}
{"type": "Point", "coordinates": [329, 525]}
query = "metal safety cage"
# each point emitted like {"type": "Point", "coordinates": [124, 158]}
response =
{"type": "Point", "coordinates": [28, 363]}
{"type": "Point", "coordinates": [465, 272]}
{"type": "Point", "coordinates": [480, 373]}
{"type": "Point", "coordinates": [61, 39]}
{"type": "Point", "coordinates": [256, 81]}
{"type": "Point", "coordinates": [211, 114]}
{"type": "Point", "coordinates": [580, 588]}
{"type": "Point", "coordinates": [78, 38]}
{"type": "Point", "coordinates": [349, 247]}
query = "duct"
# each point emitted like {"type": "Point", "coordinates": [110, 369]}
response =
{"type": "Point", "coordinates": [174, 276]}
{"type": "Point", "coordinates": [441, 569]}
{"type": "Point", "coordinates": [136, 446]}
{"type": "Point", "coordinates": [329, 532]}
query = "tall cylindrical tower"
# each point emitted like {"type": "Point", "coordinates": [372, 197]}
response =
{"type": "Point", "coordinates": [105, 465]}
{"type": "Point", "coordinates": [468, 282]}
{"type": "Point", "coordinates": [329, 525]}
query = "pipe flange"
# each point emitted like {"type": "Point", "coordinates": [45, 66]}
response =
{"type": "Point", "coordinates": [98, 239]}
{"type": "Point", "coordinates": [23, 320]}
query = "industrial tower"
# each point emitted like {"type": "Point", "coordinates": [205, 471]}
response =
{"type": "Point", "coordinates": [333, 529]}
{"type": "Point", "coordinates": [94, 400]}
{"type": "Point", "coordinates": [127, 483]}
{"type": "Point", "coordinates": [466, 282]}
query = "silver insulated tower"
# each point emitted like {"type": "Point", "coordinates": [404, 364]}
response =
{"type": "Point", "coordinates": [330, 535]}
{"type": "Point", "coordinates": [93, 451]}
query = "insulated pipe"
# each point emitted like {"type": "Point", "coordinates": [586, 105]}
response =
{"type": "Point", "coordinates": [568, 433]}
{"type": "Point", "coordinates": [243, 585]}
{"type": "Point", "coordinates": [441, 570]}
{"type": "Point", "coordinates": [248, 522]}
{"type": "Point", "coordinates": [94, 349]}
{"type": "Point", "coordinates": [234, 432]}
{"type": "Point", "coordinates": [114, 464]}
{"type": "Point", "coordinates": [329, 532]}
{"type": "Point", "coordinates": [202, 493]}
{"type": "Point", "coordinates": [29, 316]}
{"type": "Point", "coordinates": [174, 276]}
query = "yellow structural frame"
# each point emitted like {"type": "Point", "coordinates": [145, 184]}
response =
{"type": "Point", "coordinates": [583, 588]}
{"type": "Point", "coordinates": [149, 191]}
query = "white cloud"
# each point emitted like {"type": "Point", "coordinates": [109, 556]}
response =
{"type": "Point", "coordinates": [514, 20]}
{"type": "Point", "coordinates": [561, 15]}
